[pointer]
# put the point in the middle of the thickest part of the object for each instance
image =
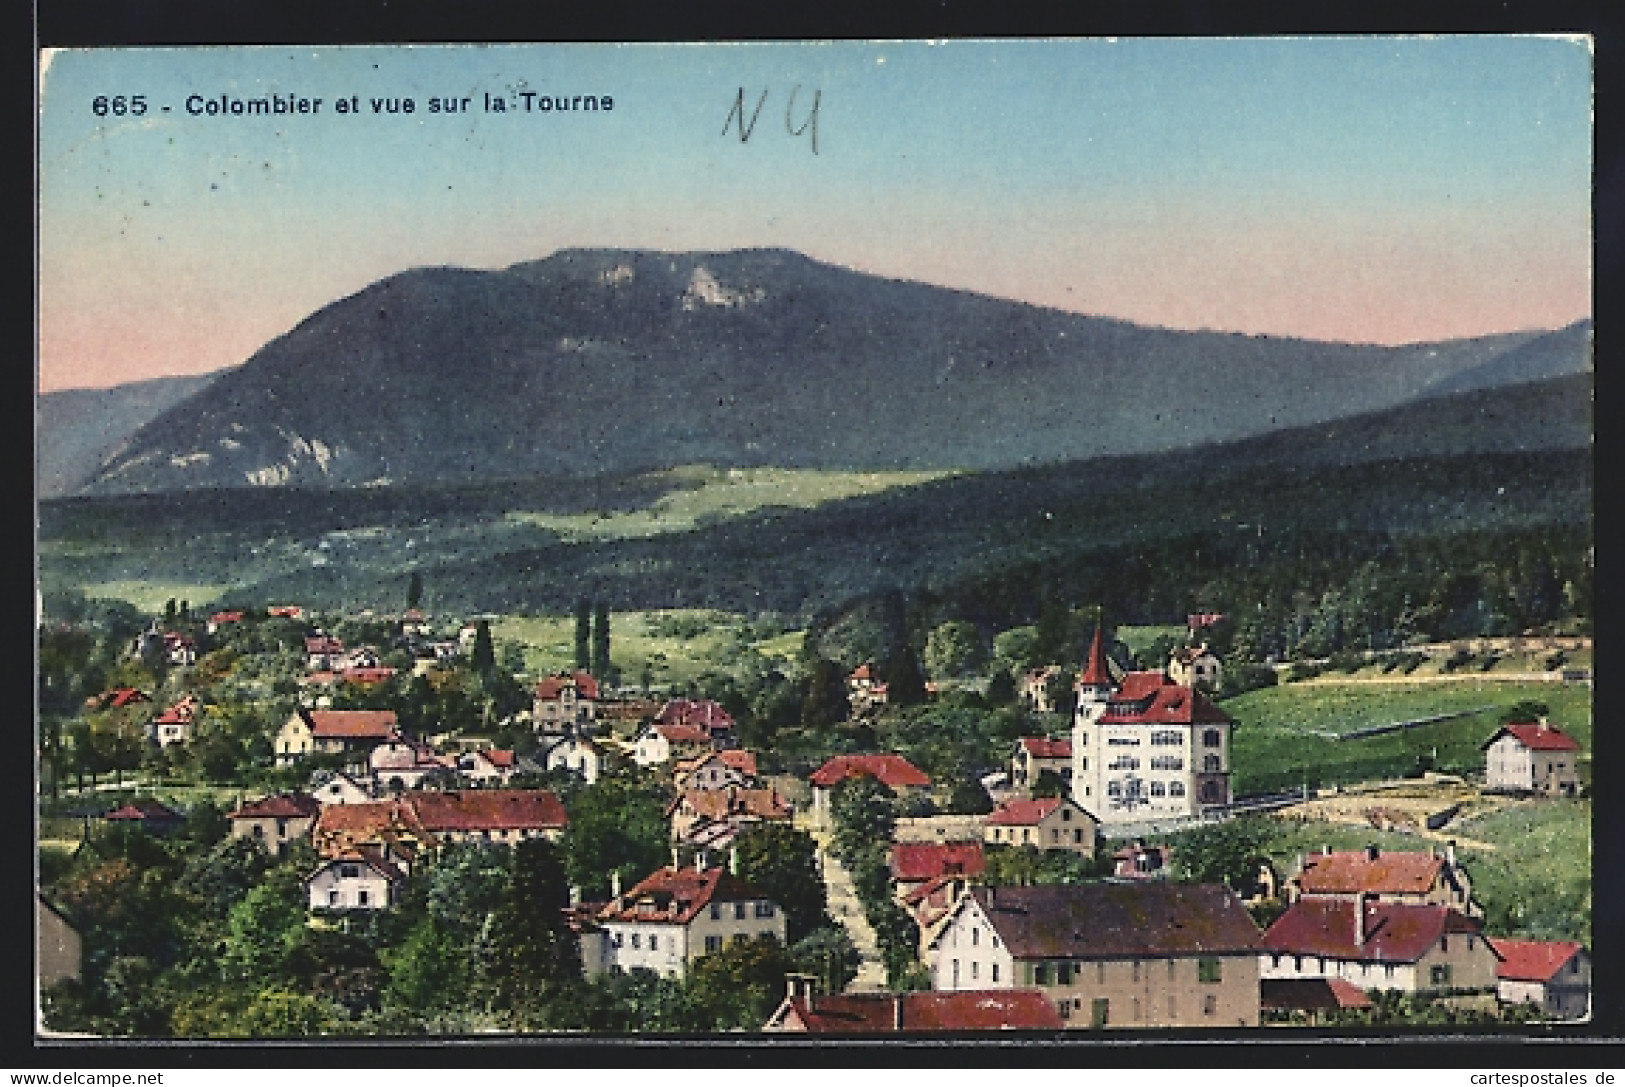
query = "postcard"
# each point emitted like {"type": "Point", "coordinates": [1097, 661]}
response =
{"type": "Point", "coordinates": [898, 539]}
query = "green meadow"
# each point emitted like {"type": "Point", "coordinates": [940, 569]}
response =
{"type": "Point", "coordinates": [1279, 744]}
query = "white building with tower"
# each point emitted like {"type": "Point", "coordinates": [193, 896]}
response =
{"type": "Point", "coordinates": [1146, 749]}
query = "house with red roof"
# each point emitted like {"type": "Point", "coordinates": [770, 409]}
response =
{"type": "Point", "coordinates": [1314, 998]}
{"type": "Point", "coordinates": [1554, 976]}
{"type": "Point", "coordinates": [676, 915]}
{"type": "Point", "coordinates": [713, 818]}
{"type": "Point", "coordinates": [1531, 758]}
{"type": "Point", "coordinates": [1430, 949]}
{"type": "Point", "coordinates": [914, 864]}
{"type": "Point", "coordinates": [117, 698]}
{"type": "Point", "coordinates": [1146, 750]}
{"type": "Point", "coordinates": [1402, 876]}
{"type": "Point", "coordinates": [583, 757]}
{"type": "Point", "coordinates": [285, 611]}
{"type": "Point", "coordinates": [1050, 822]}
{"type": "Point", "coordinates": [1035, 754]}
{"type": "Point", "coordinates": [969, 1011]}
{"type": "Point", "coordinates": [148, 814]}
{"type": "Point", "coordinates": [337, 787]}
{"type": "Point", "coordinates": [864, 689]}
{"type": "Point", "coordinates": [893, 771]}
{"type": "Point", "coordinates": [733, 768]}
{"type": "Point", "coordinates": [322, 652]}
{"type": "Point", "coordinates": [699, 713]}
{"type": "Point", "coordinates": [565, 703]}
{"type": "Point", "coordinates": [1106, 955]}
{"type": "Point", "coordinates": [1196, 666]}
{"type": "Point", "coordinates": [174, 725]}
{"type": "Point", "coordinates": [491, 766]}
{"type": "Point", "coordinates": [274, 822]}
{"type": "Point", "coordinates": [1033, 688]}
{"type": "Point", "coordinates": [331, 732]}
{"type": "Point", "coordinates": [345, 828]}
{"type": "Point", "coordinates": [180, 649]}
{"type": "Point", "coordinates": [365, 879]}
{"type": "Point", "coordinates": [1138, 860]}
{"type": "Point", "coordinates": [400, 763]}
{"type": "Point", "coordinates": [221, 619]}
{"type": "Point", "coordinates": [504, 816]}
{"type": "Point", "coordinates": [657, 743]}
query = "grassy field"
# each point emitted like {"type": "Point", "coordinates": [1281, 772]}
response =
{"type": "Point", "coordinates": [677, 646]}
{"type": "Point", "coordinates": [1277, 743]}
{"type": "Point", "coordinates": [150, 596]}
{"type": "Point", "coordinates": [1534, 883]}
{"type": "Point", "coordinates": [1140, 639]}
{"type": "Point", "coordinates": [720, 495]}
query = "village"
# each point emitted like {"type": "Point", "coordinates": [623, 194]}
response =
{"type": "Point", "coordinates": [880, 900]}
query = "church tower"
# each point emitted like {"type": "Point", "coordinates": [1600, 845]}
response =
{"type": "Point", "coordinates": [1095, 688]}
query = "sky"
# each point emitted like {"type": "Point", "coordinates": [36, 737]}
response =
{"type": "Point", "coordinates": [1374, 190]}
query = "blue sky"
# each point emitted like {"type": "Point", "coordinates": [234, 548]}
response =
{"type": "Point", "coordinates": [1380, 190]}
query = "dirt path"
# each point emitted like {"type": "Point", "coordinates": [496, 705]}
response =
{"type": "Point", "coordinates": [1466, 677]}
{"type": "Point", "coordinates": [846, 908]}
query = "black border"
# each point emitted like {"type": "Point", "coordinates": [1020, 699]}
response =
{"type": "Point", "coordinates": [91, 23]}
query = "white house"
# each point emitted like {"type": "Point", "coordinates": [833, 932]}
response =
{"type": "Point", "coordinates": [1554, 976]}
{"type": "Point", "coordinates": [1145, 748]}
{"type": "Point", "coordinates": [658, 744]}
{"type": "Point", "coordinates": [578, 755]}
{"type": "Point", "coordinates": [1196, 667]}
{"type": "Point", "coordinates": [565, 703]}
{"type": "Point", "coordinates": [327, 732]}
{"type": "Point", "coordinates": [676, 915]}
{"type": "Point", "coordinates": [400, 764]}
{"type": "Point", "coordinates": [1531, 758]}
{"type": "Point", "coordinates": [363, 880]}
{"type": "Point", "coordinates": [340, 788]}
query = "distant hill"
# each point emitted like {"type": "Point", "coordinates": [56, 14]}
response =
{"type": "Point", "coordinates": [606, 362]}
{"type": "Point", "coordinates": [78, 429]}
{"type": "Point", "coordinates": [1488, 460]}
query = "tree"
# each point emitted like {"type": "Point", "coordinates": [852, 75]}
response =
{"type": "Point", "coordinates": [429, 971]}
{"type": "Point", "coordinates": [828, 954]}
{"type": "Point", "coordinates": [264, 926]}
{"type": "Point", "coordinates": [1228, 853]}
{"type": "Point", "coordinates": [583, 657]}
{"type": "Point", "coordinates": [600, 641]}
{"type": "Point", "coordinates": [954, 648]}
{"type": "Point", "coordinates": [905, 681]}
{"type": "Point", "coordinates": [1049, 783]}
{"type": "Point", "coordinates": [617, 825]}
{"type": "Point", "coordinates": [414, 591]}
{"type": "Point", "coordinates": [738, 987]}
{"type": "Point", "coordinates": [824, 699]}
{"type": "Point", "coordinates": [483, 658]}
{"type": "Point", "coordinates": [532, 955]}
{"type": "Point", "coordinates": [1001, 688]}
{"type": "Point", "coordinates": [784, 862]}
{"type": "Point", "coordinates": [969, 797]}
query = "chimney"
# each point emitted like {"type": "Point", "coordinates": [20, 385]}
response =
{"type": "Point", "coordinates": [575, 895]}
{"type": "Point", "coordinates": [1325, 851]}
{"type": "Point", "coordinates": [615, 884]}
{"type": "Point", "coordinates": [1450, 853]}
{"type": "Point", "coordinates": [1371, 852]}
{"type": "Point", "coordinates": [699, 860]}
{"type": "Point", "coordinates": [733, 860]}
{"type": "Point", "coordinates": [1359, 919]}
{"type": "Point", "coordinates": [675, 862]}
{"type": "Point", "coordinates": [1542, 723]}
{"type": "Point", "coordinates": [897, 1011]}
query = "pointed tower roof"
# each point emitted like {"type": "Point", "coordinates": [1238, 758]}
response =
{"type": "Point", "coordinates": [1096, 673]}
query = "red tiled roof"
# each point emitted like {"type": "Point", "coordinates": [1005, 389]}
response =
{"type": "Point", "coordinates": [285, 806]}
{"type": "Point", "coordinates": [677, 895]}
{"type": "Point", "coordinates": [285, 611]}
{"type": "Point", "coordinates": [927, 860]}
{"type": "Point", "coordinates": [893, 771]}
{"type": "Point", "coordinates": [965, 1010]}
{"type": "Point", "coordinates": [226, 617]}
{"type": "Point", "coordinates": [1096, 672]}
{"type": "Point", "coordinates": [717, 804]}
{"type": "Point", "coordinates": [497, 757]}
{"type": "Point", "coordinates": [696, 713]}
{"type": "Point", "coordinates": [367, 675]}
{"type": "Point", "coordinates": [1532, 960]}
{"type": "Point", "coordinates": [1387, 873]}
{"type": "Point", "coordinates": [1022, 812]}
{"type": "Point", "coordinates": [1040, 748]}
{"type": "Point", "coordinates": [1203, 619]}
{"type": "Point", "coordinates": [489, 809]}
{"type": "Point", "coordinates": [586, 686]}
{"type": "Point", "coordinates": [370, 856]}
{"type": "Point", "coordinates": [126, 696]}
{"type": "Point", "coordinates": [1537, 738]}
{"type": "Point", "coordinates": [350, 724]}
{"type": "Point", "coordinates": [741, 760]}
{"type": "Point", "coordinates": [862, 672]}
{"type": "Point", "coordinates": [340, 827]}
{"type": "Point", "coordinates": [1169, 703]}
{"type": "Point", "coordinates": [1118, 920]}
{"type": "Point", "coordinates": [1394, 932]}
{"type": "Point", "coordinates": [321, 643]}
{"type": "Point", "coordinates": [144, 810]}
{"type": "Point", "coordinates": [1310, 994]}
{"type": "Point", "coordinates": [683, 734]}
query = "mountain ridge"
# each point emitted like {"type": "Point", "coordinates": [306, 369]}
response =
{"type": "Point", "coordinates": [601, 362]}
